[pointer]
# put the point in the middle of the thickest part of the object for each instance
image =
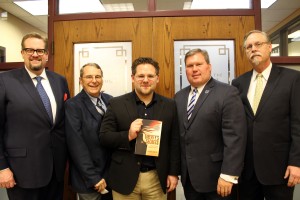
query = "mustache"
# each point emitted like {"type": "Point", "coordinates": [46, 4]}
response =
{"type": "Point", "coordinates": [38, 59]}
{"type": "Point", "coordinates": [255, 54]}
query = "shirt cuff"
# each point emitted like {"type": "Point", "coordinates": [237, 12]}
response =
{"type": "Point", "coordinates": [232, 179]}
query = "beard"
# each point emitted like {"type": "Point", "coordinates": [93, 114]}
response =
{"type": "Point", "coordinates": [255, 61]}
{"type": "Point", "coordinates": [36, 67]}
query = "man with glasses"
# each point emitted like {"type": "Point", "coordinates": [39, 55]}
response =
{"type": "Point", "coordinates": [84, 114]}
{"type": "Point", "coordinates": [140, 177]}
{"type": "Point", "coordinates": [271, 96]}
{"type": "Point", "coordinates": [33, 150]}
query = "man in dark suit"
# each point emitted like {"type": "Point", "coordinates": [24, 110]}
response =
{"type": "Point", "coordinates": [33, 150]}
{"type": "Point", "coordinates": [272, 162]}
{"type": "Point", "coordinates": [134, 176]}
{"type": "Point", "coordinates": [212, 132]}
{"type": "Point", "coordinates": [88, 159]}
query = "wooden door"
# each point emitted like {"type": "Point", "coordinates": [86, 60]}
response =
{"type": "Point", "coordinates": [152, 37]}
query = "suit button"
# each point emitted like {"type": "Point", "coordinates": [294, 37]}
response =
{"type": "Point", "coordinates": [138, 163]}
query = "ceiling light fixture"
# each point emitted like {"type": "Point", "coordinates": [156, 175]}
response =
{"type": "Point", "coordinates": [87, 6]}
{"type": "Point", "coordinates": [295, 34]}
{"type": "Point", "coordinates": [267, 3]}
{"type": "Point", "coordinates": [220, 4]}
{"type": "Point", "coordinates": [37, 7]}
{"type": "Point", "coordinates": [117, 7]}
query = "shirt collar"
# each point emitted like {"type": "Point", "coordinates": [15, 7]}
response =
{"type": "Point", "coordinates": [266, 73]}
{"type": "Point", "coordinates": [94, 99]}
{"type": "Point", "coordinates": [32, 75]}
{"type": "Point", "coordinates": [137, 99]}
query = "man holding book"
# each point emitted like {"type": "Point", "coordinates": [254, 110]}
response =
{"type": "Point", "coordinates": [134, 176]}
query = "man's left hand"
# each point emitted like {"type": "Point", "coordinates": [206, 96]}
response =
{"type": "Point", "coordinates": [293, 173]}
{"type": "Point", "coordinates": [224, 187]}
{"type": "Point", "coordinates": [172, 182]}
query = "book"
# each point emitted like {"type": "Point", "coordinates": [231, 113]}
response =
{"type": "Point", "coordinates": [148, 139]}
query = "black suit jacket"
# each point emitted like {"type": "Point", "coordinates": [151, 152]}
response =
{"type": "Point", "coordinates": [125, 165]}
{"type": "Point", "coordinates": [29, 144]}
{"type": "Point", "coordinates": [274, 132]}
{"type": "Point", "coordinates": [213, 141]}
{"type": "Point", "coordinates": [88, 159]}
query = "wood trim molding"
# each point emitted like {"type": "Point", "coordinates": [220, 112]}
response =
{"type": "Point", "coordinates": [286, 60]}
{"type": "Point", "coordinates": [284, 22]}
{"type": "Point", "coordinates": [12, 65]}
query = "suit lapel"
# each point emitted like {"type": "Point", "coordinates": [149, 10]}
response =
{"type": "Point", "coordinates": [271, 84]}
{"type": "Point", "coordinates": [130, 105]}
{"type": "Point", "coordinates": [203, 96]}
{"type": "Point", "coordinates": [89, 105]}
{"type": "Point", "coordinates": [184, 100]}
{"type": "Point", "coordinates": [158, 109]}
{"type": "Point", "coordinates": [31, 90]}
{"type": "Point", "coordinates": [245, 84]}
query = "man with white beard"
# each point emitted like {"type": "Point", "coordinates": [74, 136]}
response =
{"type": "Point", "coordinates": [271, 96]}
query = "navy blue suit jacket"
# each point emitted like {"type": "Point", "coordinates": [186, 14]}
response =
{"type": "Point", "coordinates": [30, 145]}
{"type": "Point", "coordinates": [88, 159]}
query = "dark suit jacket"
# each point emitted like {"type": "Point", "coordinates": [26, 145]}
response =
{"type": "Point", "coordinates": [274, 133]}
{"type": "Point", "coordinates": [213, 141]}
{"type": "Point", "coordinates": [29, 144]}
{"type": "Point", "coordinates": [125, 165]}
{"type": "Point", "coordinates": [88, 159]}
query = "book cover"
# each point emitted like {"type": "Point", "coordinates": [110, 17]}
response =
{"type": "Point", "coordinates": [148, 139]}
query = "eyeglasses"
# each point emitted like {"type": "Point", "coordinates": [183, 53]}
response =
{"type": "Point", "coordinates": [30, 51]}
{"type": "Point", "coordinates": [141, 77]}
{"type": "Point", "coordinates": [91, 77]}
{"type": "Point", "coordinates": [257, 45]}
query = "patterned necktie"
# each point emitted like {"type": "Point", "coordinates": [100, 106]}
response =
{"type": "Point", "coordinates": [44, 97]}
{"type": "Point", "coordinates": [191, 105]}
{"type": "Point", "coordinates": [258, 92]}
{"type": "Point", "coordinates": [99, 105]}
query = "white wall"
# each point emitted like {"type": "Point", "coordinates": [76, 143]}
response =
{"type": "Point", "coordinates": [12, 31]}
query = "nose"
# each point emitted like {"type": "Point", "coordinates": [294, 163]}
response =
{"type": "Point", "coordinates": [145, 79]}
{"type": "Point", "coordinates": [195, 67]}
{"type": "Point", "coordinates": [94, 79]}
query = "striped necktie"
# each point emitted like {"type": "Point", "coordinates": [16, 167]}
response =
{"type": "Point", "coordinates": [191, 105]}
{"type": "Point", "coordinates": [100, 107]}
{"type": "Point", "coordinates": [258, 92]}
{"type": "Point", "coordinates": [44, 97]}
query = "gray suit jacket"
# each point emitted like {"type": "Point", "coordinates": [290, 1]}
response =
{"type": "Point", "coordinates": [213, 141]}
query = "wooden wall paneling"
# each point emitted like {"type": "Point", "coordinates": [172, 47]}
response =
{"type": "Point", "coordinates": [166, 30]}
{"type": "Point", "coordinates": [163, 54]}
{"type": "Point", "coordinates": [245, 25]}
{"type": "Point", "coordinates": [67, 33]}
{"type": "Point", "coordinates": [153, 37]}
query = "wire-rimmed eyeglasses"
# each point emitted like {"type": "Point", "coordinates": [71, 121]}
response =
{"type": "Point", "coordinates": [257, 45]}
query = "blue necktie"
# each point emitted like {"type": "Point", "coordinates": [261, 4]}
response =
{"type": "Point", "coordinates": [99, 105]}
{"type": "Point", "coordinates": [44, 97]}
{"type": "Point", "coordinates": [191, 105]}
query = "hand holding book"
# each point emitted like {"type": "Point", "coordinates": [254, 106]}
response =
{"type": "Point", "coordinates": [148, 139]}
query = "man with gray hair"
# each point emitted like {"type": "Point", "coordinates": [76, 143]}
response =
{"type": "Point", "coordinates": [271, 96]}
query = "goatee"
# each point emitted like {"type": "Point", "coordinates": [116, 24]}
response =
{"type": "Point", "coordinates": [255, 61]}
{"type": "Point", "coordinates": [36, 68]}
